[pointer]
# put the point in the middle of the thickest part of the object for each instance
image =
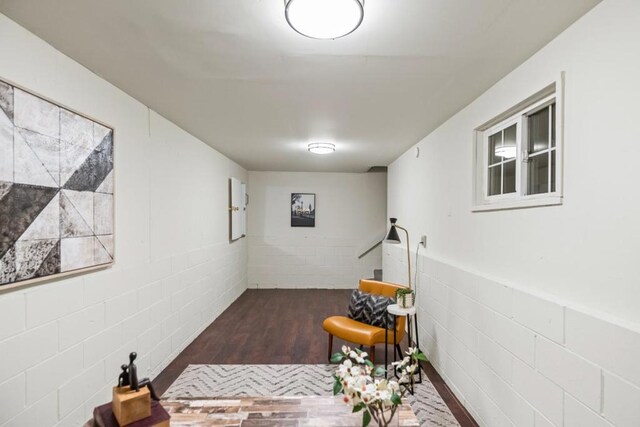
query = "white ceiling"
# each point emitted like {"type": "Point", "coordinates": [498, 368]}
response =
{"type": "Point", "coordinates": [232, 72]}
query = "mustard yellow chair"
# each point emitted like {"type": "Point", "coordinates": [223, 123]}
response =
{"type": "Point", "coordinates": [361, 333]}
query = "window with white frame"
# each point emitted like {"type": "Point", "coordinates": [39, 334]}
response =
{"type": "Point", "coordinates": [518, 155]}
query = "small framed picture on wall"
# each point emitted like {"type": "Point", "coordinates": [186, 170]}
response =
{"type": "Point", "coordinates": [303, 210]}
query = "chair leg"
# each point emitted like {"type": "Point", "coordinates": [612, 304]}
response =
{"type": "Point", "coordinates": [330, 346]}
{"type": "Point", "coordinates": [372, 353]}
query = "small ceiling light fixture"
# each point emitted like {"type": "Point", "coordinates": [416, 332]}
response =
{"type": "Point", "coordinates": [321, 147]}
{"type": "Point", "coordinates": [324, 19]}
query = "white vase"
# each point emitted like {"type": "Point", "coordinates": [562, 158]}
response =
{"type": "Point", "coordinates": [406, 300]}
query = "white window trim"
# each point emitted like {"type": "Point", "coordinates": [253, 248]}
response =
{"type": "Point", "coordinates": [481, 201]}
{"type": "Point", "coordinates": [485, 159]}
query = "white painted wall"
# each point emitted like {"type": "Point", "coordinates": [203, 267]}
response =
{"type": "Point", "coordinates": [350, 215]}
{"type": "Point", "coordinates": [61, 343]}
{"type": "Point", "coordinates": [531, 315]}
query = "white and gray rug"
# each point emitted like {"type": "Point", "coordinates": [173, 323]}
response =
{"type": "Point", "coordinates": [201, 381]}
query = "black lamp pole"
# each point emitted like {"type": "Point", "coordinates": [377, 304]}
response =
{"type": "Point", "coordinates": [394, 238]}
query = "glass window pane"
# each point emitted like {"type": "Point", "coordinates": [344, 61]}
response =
{"type": "Point", "coordinates": [494, 180]}
{"type": "Point", "coordinates": [508, 149]}
{"type": "Point", "coordinates": [495, 142]}
{"type": "Point", "coordinates": [539, 130]}
{"type": "Point", "coordinates": [553, 124]}
{"type": "Point", "coordinates": [509, 177]}
{"type": "Point", "coordinates": [539, 174]}
{"type": "Point", "coordinates": [553, 171]}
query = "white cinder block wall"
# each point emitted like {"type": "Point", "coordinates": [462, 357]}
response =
{"type": "Point", "coordinates": [61, 343]}
{"type": "Point", "coordinates": [350, 216]}
{"type": "Point", "coordinates": [531, 315]}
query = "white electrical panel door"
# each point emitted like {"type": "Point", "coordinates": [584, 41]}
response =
{"type": "Point", "coordinates": [244, 209]}
{"type": "Point", "coordinates": [236, 208]}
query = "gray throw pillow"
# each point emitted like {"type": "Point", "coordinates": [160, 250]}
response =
{"type": "Point", "coordinates": [357, 304]}
{"type": "Point", "coordinates": [375, 311]}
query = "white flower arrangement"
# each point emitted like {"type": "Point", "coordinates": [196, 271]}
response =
{"type": "Point", "coordinates": [379, 398]}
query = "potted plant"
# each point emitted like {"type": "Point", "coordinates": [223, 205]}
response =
{"type": "Point", "coordinates": [364, 387]}
{"type": "Point", "coordinates": [405, 297]}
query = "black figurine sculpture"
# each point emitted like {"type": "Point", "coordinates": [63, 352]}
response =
{"type": "Point", "coordinates": [146, 382]}
{"type": "Point", "coordinates": [123, 379]}
{"type": "Point", "coordinates": [133, 372]}
{"type": "Point", "coordinates": [129, 377]}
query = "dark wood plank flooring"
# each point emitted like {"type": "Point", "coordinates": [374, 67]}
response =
{"type": "Point", "coordinates": [280, 326]}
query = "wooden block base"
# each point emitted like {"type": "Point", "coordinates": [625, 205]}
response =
{"type": "Point", "coordinates": [130, 406]}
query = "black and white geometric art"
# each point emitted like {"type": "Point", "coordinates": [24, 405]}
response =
{"type": "Point", "coordinates": [56, 189]}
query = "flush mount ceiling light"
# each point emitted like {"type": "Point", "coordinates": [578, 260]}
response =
{"type": "Point", "coordinates": [324, 19]}
{"type": "Point", "coordinates": [321, 148]}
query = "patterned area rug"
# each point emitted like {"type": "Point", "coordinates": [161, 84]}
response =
{"type": "Point", "coordinates": [291, 380]}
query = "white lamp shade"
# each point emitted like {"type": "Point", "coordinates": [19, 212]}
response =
{"type": "Point", "coordinates": [324, 19]}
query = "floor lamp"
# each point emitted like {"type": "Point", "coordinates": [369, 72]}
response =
{"type": "Point", "coordinates": [394, 238]}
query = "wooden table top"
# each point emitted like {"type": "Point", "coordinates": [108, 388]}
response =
{"type": "Point", "coordinates": [295, 411]}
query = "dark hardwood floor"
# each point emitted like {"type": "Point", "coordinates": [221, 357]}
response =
{"type": "Point", "coordinates": [280, 326]}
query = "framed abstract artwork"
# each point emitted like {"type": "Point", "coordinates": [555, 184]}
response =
{"type": "Point", "coordinates": [303, 210]}
{"type": "Point", "coordinates": [56, 189]}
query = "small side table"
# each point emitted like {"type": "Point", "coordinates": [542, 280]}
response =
{"type": "Point", "coordinates": [412, 321]}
